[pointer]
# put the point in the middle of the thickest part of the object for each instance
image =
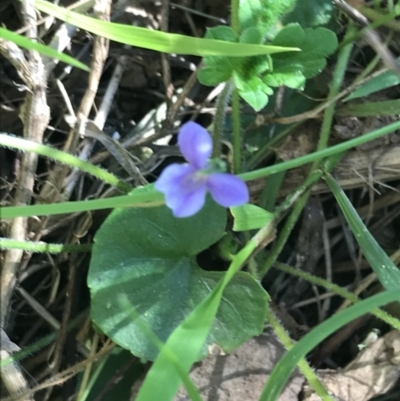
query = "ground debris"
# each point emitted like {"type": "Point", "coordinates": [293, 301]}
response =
{"type": "Point", "coordinates": [374, 371]}
{"type": "Point", "coordinates": [241, 375]}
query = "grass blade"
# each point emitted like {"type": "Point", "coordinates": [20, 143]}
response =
{"type": "Point", "coordinates": [387, 272]}
{"type": "Point", "coordinates": [156, 40]}
{"type": "Point", "coordinates": [43, 49]}
{"type": "Point", "coordinates": [288, 362]}
{"type": "Point", "coordinates": [162, 381]}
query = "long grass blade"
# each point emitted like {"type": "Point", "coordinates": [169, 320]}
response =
{"type": "Point", "coordinates": [156, 40]}
{"type": "Point", "coordinates": [43, 49]}
{"type": "Point", "coordinates": [387, 272]}
{"type": "Point", "coordinates": [288, 362]}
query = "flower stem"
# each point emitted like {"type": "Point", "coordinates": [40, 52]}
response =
{"type": "Point", "coordinates": [235, 25]}
{"type": "Point", "coordinates": [221, 104]}
{"type": "Point", "coordinates": [305, 368]}
{"type": "Point", "coordinates": [334, 89]}
{"type": "Point", "coordinates": [285, 232]}
{"type": "Point", "coordinates": [322, 146]}
{"type": "Point", "coordinates": [236, 138]}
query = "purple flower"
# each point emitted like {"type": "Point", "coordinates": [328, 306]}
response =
{"type": "Point", "coordinates": [185, 185]}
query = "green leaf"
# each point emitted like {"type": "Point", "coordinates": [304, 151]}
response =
{"type": "Point", "coordinates": [251, 35]}
{"type": "Point", "coordinates": [383, 81]}
{"type": "Point", "coordinates": [264, 13]}
{"type": "Point", "coordinates": [384, 108]}
{"type": "Point", "coordinates": [47, 51]}
{"type": "Point", "coordinates": [249, 13]}
{"type": "Point", "coordinates": [150, 256]}
{"type": "Point", "coordinates": [213, 75]}
{"type": "Point", "coordinates": [187, 339]}
{"type": "Point", "coordinates": [250, 217]}
{"type": "Point", "coordinates": [221, 32]}
{"type": "Point", "coordinates": [155, 40]}
{"type": "Point", "coordinates": [291, 79]}
{"type": "Point", "coordinates": [218, 69]}
{"type": "Point", "coordinates": [311, 13]}
{"type": "Point", "coordinates": [315, 44]}
{"type": "Point", "coordinates": [387, 272]}
{"type": "Point", "coordinates": [254, 91]}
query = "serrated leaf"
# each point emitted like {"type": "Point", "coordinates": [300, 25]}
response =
{"type": "Point", "coordinates": [254, 91]}
{"type": "Point", "coordinates": [249, 12]}
{"type": "Point", "coordinates": [311, 13]}
{"type": "Point", "coordinates": [294, 79]}
{"type": "Point", "coordinates": [213, 75]}
{"type": "Point", "coordinates": [218, 69]}
{"type": "Point", "coordinates": [150, 257]}
{"type": "Point", "coordinates": [251, 35]}
{"type": "Point", "coordinates": [315, 44]}
{"type": "Point", "coordinates": [264, 13]}
{"type": "Point", "coordinates": [221, 32]}
{"type": "Point", "coordinates": [250, 217]}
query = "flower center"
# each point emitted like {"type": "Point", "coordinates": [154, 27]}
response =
{"type": "Point", "coordinates": [214, 166]}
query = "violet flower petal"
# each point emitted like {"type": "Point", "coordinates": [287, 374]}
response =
{"type": "Point", "coordinates": [195, 144]}
{"type": "Point", "coordinates": [184, 190]}
{"type": "Point", "coordinates": [186, 203]}
{"type": "Point", "coordinates": [171, 177]}
{"type": "Point", "coordinates": [227, 189]}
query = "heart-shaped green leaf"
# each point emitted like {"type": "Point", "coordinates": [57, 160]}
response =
{"type": "Point", "coordinates": [150, 256]}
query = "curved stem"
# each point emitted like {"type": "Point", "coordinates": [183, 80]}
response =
{"type": "Point", "coordinates": [395, 323]}
{"type": "Point", "coordinates": [305, 368]}
{"type": "Point", "coordinates": [285, 232]}
{"type": "Point", "coordinates": [63, 157]}
{"type": "Point", "coordinates": [42, 247]}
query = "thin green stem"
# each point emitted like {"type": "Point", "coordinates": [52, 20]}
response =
{"type": "Point", "coordinates": [139, 200]}
{"type": "Point", "coordinates": [298, 198]}
{"type": "Point", "coordinates": [218, 123]}
{"type": "Point", "coordinates": [305, 368]}
{"type": "Point", "coordinates": [334, 89]}
{"type": "Point", "coordinates": [395, 323]}
{"type": "Point", "coordinates": [314, 173]}
{"type": "Point", "coordinates": [236, 138]}
{"type": "Point", "coordinates": [235, 25]}
{"type": "Point", "coordinates": [285, 232]}
{"type": "Point", "coordinates": [146, 199]}
{"type": "Point", "coordinates": [321, 154]}
{"type": "Point", "coordinates": [65, 158]}
{"type": "Point", "coordinates": [266, 149]}
{"type": "Point", "coordinates": [42, 247]}
{"type": "Point", "coordinates": [236, 128]}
